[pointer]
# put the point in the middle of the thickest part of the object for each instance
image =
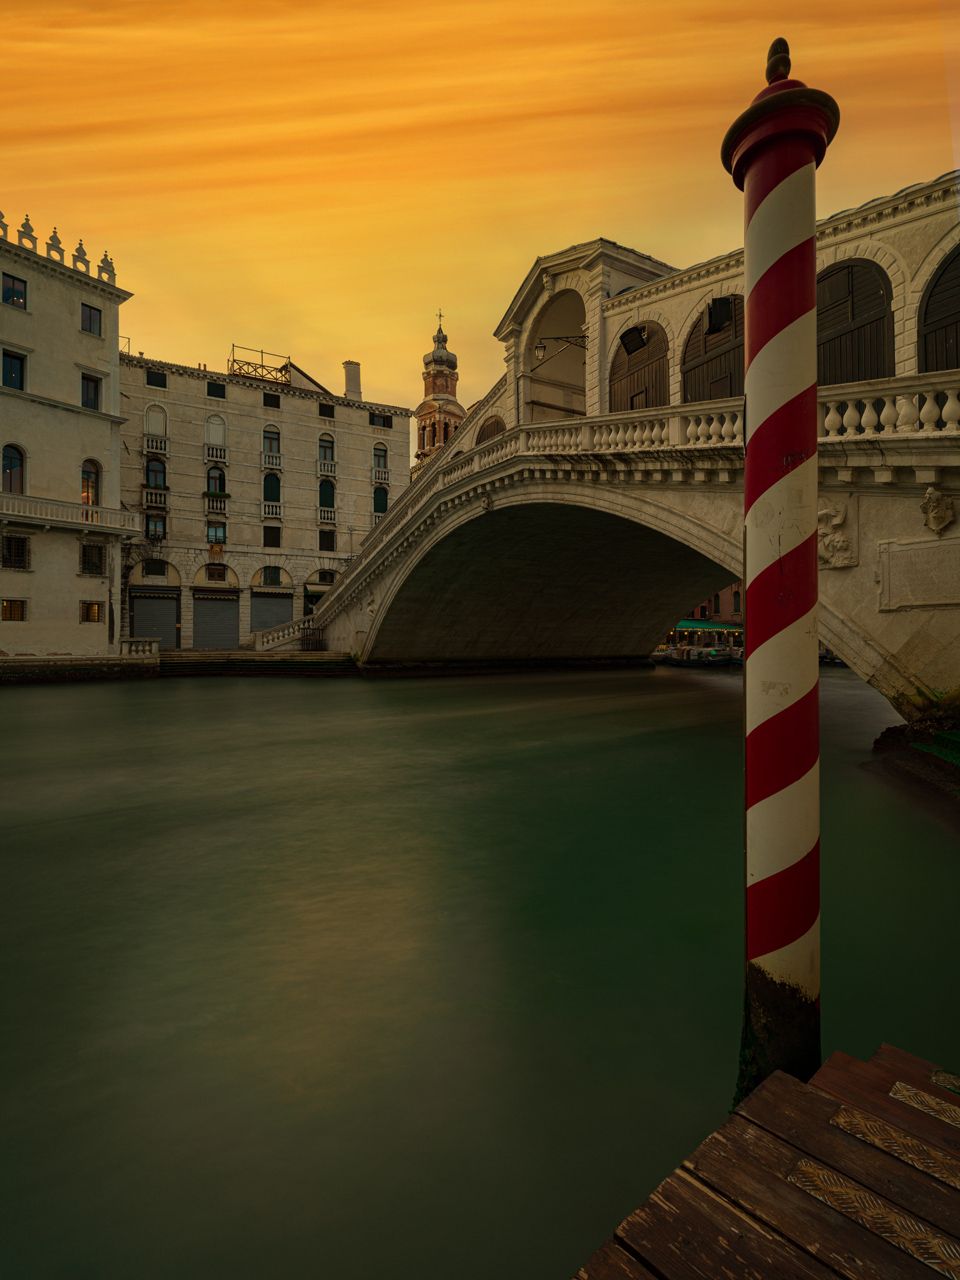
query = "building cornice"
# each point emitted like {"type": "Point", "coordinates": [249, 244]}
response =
{"type": "Point", "coordinates": [33, 259]}
{"type": "Point", "coordinates": [64, 405]}
{"type": "Point", "coordinates": [256, 384]}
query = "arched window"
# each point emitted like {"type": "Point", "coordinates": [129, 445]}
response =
{"type": "Point", "coordinates": [854, 324]}
{"type": "Point", "coordinates": [327, 494]}
{"type": "Point", "coordinates": [156, 474]}
{"type": "Point", "coordinates": [271, 440]}
{"type": "Point", "coordinates": [90, 483]}
{"type": "Point", "coordinates": [939, 332]}
{"type": "Point", "coordinates": [271, 487]}
{"type": "Point", "coordinates": [215, 431]}
{"type": "Point", "coordinates": [492, 427]}
{"type": "Point", "coordinates": [640, 374]}
{"type": "Point", "coordinates": [379, 500]}
{"type": "Point", "coordinates": [155, 420]}
{"type": "Point", "coordinates": [380, 457]}
{"type": "Point", "coordinates": [216, 480]}
{"type": "Point", "coordinates": [326, 448]}
{"type": "Point", "coordinates": [712, 363]}
{"type": "Point", "coordinates": [12, 469]}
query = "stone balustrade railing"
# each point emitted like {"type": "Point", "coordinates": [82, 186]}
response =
{"type": "Point", "coordinates": [278, 635]}
{"type": "Point", "coordinates": [140, 648]}
{"type": "Point", "coordinates": [67, 515]}
{"type": "Point", "coordinates": [913, 405]}
{"type": "Point", "coordinates": [155, 444]}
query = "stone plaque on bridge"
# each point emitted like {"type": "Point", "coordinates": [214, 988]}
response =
{"type": "Point", "coordinates": [919, 574]}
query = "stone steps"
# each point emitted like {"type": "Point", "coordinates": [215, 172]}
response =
{"type": "Point", "coordinates": [213, 662]}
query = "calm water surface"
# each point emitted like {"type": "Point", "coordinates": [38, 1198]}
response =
{"type": "Point", "coordinates": [406, 979]}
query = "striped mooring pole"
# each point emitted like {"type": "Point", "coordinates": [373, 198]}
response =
{"type": "Point", "coordinates": [772, 150]}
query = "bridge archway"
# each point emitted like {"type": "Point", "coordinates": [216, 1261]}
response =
{"type": "Point", "coordinates": [554, 369]}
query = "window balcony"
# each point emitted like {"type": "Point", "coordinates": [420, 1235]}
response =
{"type": "Point", "coordinates": [271, 461]}
{"type": "Point", "coordinates": [378, 516]}
{"type": "Point", "coordinates": [155, 444]}
{"type": "Point", "coordinates": [18, 508]}
{"type": "Point", "coordinates": [271, 511]}
{"type": "Point", "coordinates": [215, 452]}
{"type": "Point", "coordinates": [216, 504]}
{"type": "Point", "coordinates": [327, 515]}
{"type": "Point", "coordinates": [155, 498]}
{"type": "Point", "coordinates": [381, 475]}
{"type": "Point", "coordinates": [326, 467]}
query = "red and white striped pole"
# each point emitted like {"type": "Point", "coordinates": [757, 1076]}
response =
{"type": "Point", "coordinates": [772, 151]}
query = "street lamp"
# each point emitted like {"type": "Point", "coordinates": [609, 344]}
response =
{"type": "Point", "coordinates": [576, 340]}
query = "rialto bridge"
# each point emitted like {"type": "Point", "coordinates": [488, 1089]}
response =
{"type": "Point", "coordinates": [595, 493]}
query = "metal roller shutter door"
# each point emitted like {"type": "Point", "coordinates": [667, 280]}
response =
{"type": "Point", "coordinates": [269, 611]}
{"type": "Point", "coordinates": [216, 622]}
{"type": "Point", "coordinates": [154, 616]}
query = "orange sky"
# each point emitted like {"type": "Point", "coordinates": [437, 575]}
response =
{"type": "Point", "coordinates": [317, 177]}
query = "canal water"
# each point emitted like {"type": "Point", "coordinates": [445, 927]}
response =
{"type": "Point", "coordinates": [408, 979]}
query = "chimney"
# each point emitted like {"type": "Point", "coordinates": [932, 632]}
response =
{"type": "Point", "coordinates": [351, 374]}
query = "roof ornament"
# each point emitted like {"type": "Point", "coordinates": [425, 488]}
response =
{"type": "Point", "coordinates": [3, 227]}
{"type": "Point", "coordinates": [80, 260]}
{"type": "Point", "coordinates": [25, 236]}
{"type": "Point", "coordinates": [778, 61]}
{"type": "Point", "coordinates": [55, 246]}
{"type": "Point", "coordinates": [106, 270]}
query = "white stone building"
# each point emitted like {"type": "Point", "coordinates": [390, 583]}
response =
{"type": "Point", "coordinates": [60, 507]}
{"type": "Point", "coordinates": [253, 488]}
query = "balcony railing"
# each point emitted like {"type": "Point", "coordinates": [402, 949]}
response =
{"type": "Point", "coordinates": [381, 475]}
{"type": "Point", "coordinates": [155, 444]}
{"type": "Point", "coordinates": [271, 461]}
{"type": "Point", "coordinates": [326, 467]}
{"type": "Point", "coordinates": [378, 516]}
{"type": "Point", "coordinates": [919, 404]}
{"type": "Point", "coordinates": [215, 452]}
{"type": "Point", "coordinates": [155, 498]}
{"type": "Point", "coordinates": [216, 504]}
{"type": "Point", "coordinates": [272, 510]}
{"type": "Point", "coordinates": [327, 515]}
{"type": "Point", "coordinates": [66, 515]}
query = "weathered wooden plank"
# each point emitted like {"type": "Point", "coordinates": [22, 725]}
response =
{"type": "Point", "coordinates": [917, 1070]}
{"type": "Point", "coordinates": [900, 1168]}
{"type": "Point", "coordinates": [869, 1088]}
{"type": "Point", "coordinates": [611, 1262]}
{"type": "Point", "coordinates": [688, 1232]}
{"type": "Point", "coordinates": [749, 1166]}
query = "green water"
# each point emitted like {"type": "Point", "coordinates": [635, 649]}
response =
{"type": "Point", "coordinates": [408, 979]}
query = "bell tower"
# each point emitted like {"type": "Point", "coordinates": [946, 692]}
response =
{"type": "Point", "coordinates": [440, 412]}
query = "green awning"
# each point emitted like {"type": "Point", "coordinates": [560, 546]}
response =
{"type": "Point", "coordinates": [704, 624]}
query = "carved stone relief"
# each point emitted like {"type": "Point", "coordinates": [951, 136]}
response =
{"type": "Point", "coordinates": [938, 512]}
{"type": "Point", "coordinates": [838, 534]}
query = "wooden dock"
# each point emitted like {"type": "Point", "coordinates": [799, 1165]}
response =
{"type": "Point", "coordinates": [855, 1174]}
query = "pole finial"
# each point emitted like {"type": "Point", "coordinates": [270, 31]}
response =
{"type": "Point", "coordinates": [778, 61]}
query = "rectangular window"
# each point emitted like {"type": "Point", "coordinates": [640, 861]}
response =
{"type": "Point", "coordinates": [156, 378]}
{"type": "Point", "coordinates": [89, 391]}
{"type": "Point", "coordinates": [271, 400]}
{"type": "Point", "coordinates": [16, 552]}
{"type": "Point", "coordinates": [216, 573]}
{"type": "Point", "coordinates": [381, 420]}
{"type": "Point", "coordinates": [91, 319]}
{"type": "Point", "coordinates": [154, 568]}
{"type": "Point", "coordinates": [93, 558]}
{"type": "Point", "coordinates": [217, 389]}
{"type": "Point", "coordinates": [92, 611]}
{"type": "Point", "coordinates": [216, 531]}
{"type": "Point", "coordinates": [270, 575]}
{"type": "Point", "coordinates": [271, 535]}
{"type": "Point", "coordinates": [156, 527]}
{"type": "Point", "coordinates": [14, 291]}
{"type": "Point", "coordinates": [13, 611]}
{"type": "Point", "coordinates": [326, 410]}
{"type": "Point", "coordinates": [14, 368]}
{"type": "Point", "coordinates": [328, 539]}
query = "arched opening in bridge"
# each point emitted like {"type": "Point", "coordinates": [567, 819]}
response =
{"type": "Point", "coordinates": [938, 338]}
{"type": "Point", "coordinates": [854, 323]}
{"type": "Point", "coordinates": [543, 581]}
{"type": "Point", "coordinates": [492, 427]}
{"type": "Point", "coordinates": [640, 374]}
{"type": "Point", "coordinates": [712, 363]}
{"type": "Point", "coordinates": [554, 365]}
